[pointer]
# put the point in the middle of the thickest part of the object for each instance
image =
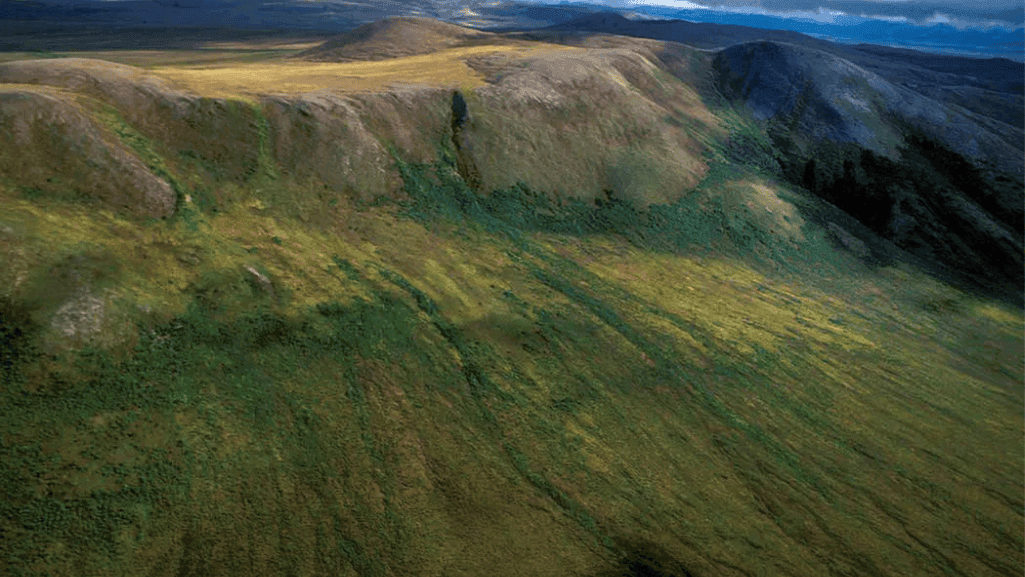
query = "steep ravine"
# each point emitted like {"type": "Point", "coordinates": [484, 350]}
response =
{"type": "Point", "coordinates": [463, 144]}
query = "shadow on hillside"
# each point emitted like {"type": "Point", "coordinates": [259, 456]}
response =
{"type": "Point", "coordinates": [645, 559]}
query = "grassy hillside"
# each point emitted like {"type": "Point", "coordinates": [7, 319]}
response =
{"type": "Point", "coordinates": [291, 375]}
{"type": "Point", "coordinates": [397, 37]}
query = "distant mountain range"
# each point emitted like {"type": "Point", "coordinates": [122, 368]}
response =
{"type": "Point", "coordinates": [339, 16]}
{"type": "Point", "coordinates": [941, 38]}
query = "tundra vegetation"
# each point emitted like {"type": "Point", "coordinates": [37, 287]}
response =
{"type": "Point", "coordinates": [336, 354]}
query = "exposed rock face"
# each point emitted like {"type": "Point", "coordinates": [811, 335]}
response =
{"type": "Point", "coordinates": [343, 140]}
{"type": "Point", "coordinates": [215, 131]}
{"type": "Point", "coordinates": [82, 162]}
{"type": "Point", "coordinates": [537, 123]}
{"type": "Point", "coordinates": [586, 122]}
{"type": "Point", "coordinates": [849, 241]}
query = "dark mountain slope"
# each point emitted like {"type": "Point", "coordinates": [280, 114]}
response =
{"type": "Point", "coordinates": [991, 87]}
{"type": "Point", "coordinates": [910, 167]}
{"type": "Point", "coordinates": [1004, 107]}
{"type": "Point", "coordinates": [828, 97]}
{"type": "Point", "coordinates": [996, 74]}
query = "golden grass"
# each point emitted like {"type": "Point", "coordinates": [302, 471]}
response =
{"type": "Point", "coordinates": [202, 52]}
{"type": "Point", "coordinates": [264, 44]}
{"type": "Point", "coordinates": [443, 68]}
{"type": "Point", "coordinates": [40, 88]}
{"type": "Point", "coordinates": [720, 296]}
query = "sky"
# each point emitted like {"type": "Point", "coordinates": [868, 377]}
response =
{"type": "Point", "coordinates": [977, 14]}
{"type": "Point", "coordinates": [984, 28]}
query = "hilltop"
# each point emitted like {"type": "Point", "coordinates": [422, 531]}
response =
{"type": "Point", "coordinates": [396, 37]}
{"type": "Point", "coordinates": [565, 304]}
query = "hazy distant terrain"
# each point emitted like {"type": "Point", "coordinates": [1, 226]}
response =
{"type": "Point", "coordinates": [422, 299]}
{"type": "Point", "coordinates": [337, 15]}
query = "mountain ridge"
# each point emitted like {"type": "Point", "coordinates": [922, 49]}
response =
{"type": "Point", "coordinates": [533, 307]}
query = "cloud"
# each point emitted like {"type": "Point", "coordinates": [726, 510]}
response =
{"type": "Point", "coordinates": [962, 13]}
{"type": "Point", "coordinates": [678, 4]}
{"type": "Point", "coordinates": [886, 18]}
{"type": "Point", "coordinates": [962, 24]}
{"type": "Point", "coordinates": [820, 14]}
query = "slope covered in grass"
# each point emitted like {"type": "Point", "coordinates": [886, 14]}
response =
{"type": "Point", "coordinates": [394, 38]}
{"type": "Point", "coordinates": [343, 356]}
{"type": "Point", "coordinates": [401, 398]}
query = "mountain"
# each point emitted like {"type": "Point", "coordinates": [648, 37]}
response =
{"type": "Point", "coordinates": [710, 35]}
{"type": "Point", "coordinates": [817, 102]}
{"type": "Point", "coordinates": [21, 16]}
{"type": "Point", "coordinates": [696, 34]}
{"type": "Point", "coordinates": [422, 300]}
{"type": "Point", "coordinates": [994, 41]}
{"type": "Point", "coordinates": [990, 86]}
{"type": "Point", "coordinates": [265, 15]}
{"type": "Point", "coordinates": [394, 38]}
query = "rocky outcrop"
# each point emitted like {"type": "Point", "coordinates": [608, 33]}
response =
{"type": "Point", "coordinates": [463, 142]}
{"type": "Point", "coordinates": [583, 123]}
{"type": "Point", "coordinates": [222, 135]}
{"type": "Point", "coordinates": [83, 162]}
{"type": "Point", "coordinates": [343, 141]}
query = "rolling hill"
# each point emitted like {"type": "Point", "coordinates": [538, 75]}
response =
{"type": "Point", "coordinates": [393, 38]}
{"type": "Point", "coordinates": [562, 304]}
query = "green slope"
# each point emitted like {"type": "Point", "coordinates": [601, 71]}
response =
{"type": "Point", "coordinates": [282, 379]}
{"type": "Point", "coordinates": [435, 398]}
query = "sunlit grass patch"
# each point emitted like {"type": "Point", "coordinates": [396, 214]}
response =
{"type": "Point", "coordinates": [443, 68]}
{"type": "Point", "coordinates": [997, 313]}
{"type": "Point", "coordinates": [723, 299]}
